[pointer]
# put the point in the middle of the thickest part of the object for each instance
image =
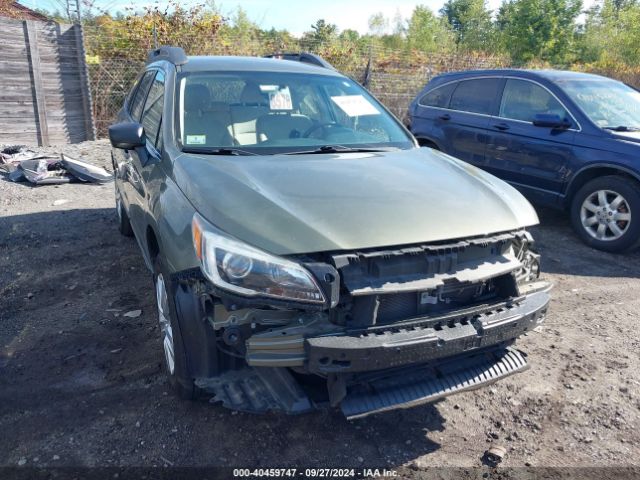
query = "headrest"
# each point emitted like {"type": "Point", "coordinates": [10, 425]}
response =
{"type": "Point", "coordinates": [196, 97]}
{"type": "Point", "coordinates": [251, 94]}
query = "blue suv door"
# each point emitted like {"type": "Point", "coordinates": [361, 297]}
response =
{"type": "Point", "coordinates": [461, 128]}
{"type": "Point", "coordinates": [534, 159]}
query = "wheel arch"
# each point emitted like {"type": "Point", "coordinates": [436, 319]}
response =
{"type": "Point", "coordinates": [590, 172]}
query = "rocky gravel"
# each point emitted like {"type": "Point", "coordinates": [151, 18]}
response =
{"type": "Point", "coordinates": [81, 383]}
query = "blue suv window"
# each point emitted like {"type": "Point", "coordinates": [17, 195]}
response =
{"type": "Point", "coordinates": [438, 97]}
{"type": "Point", "coordinates": [475, 96]}
{"type": "Point", "coordinates": [523, 100]}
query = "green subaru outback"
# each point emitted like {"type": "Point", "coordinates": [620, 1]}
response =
{"type": "Point", "coordinates": [305, 251]}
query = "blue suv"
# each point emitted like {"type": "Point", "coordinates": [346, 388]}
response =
{"type": "Point", "coordinates": [565, 139]}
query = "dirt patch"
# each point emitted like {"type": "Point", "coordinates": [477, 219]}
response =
{"type": "Point", "coordinates": [81, 385]}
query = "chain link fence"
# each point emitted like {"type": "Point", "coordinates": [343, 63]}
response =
{"type": "Point", "coordinates": [394, 76]}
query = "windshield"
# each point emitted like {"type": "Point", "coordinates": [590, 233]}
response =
{"type": "Point", "coordinates": [268, 113]}
{"type": "Point", "coordinates": [608, 103]}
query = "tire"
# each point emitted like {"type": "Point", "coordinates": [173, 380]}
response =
{"type": "Point", "coordinates": [124, 224]}
{"type": "Point", "coordinates": [175, 361]}
{"type": "Point", "coordinates": [605, 213]}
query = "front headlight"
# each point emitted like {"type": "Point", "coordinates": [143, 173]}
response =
{"type": "Point", "coordinates": [245, 270]}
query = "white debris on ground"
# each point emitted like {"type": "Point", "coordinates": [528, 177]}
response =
{"type": "Point", "coordinates": [26, 164]}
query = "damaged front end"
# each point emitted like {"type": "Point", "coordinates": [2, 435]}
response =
{"type": "Point", "coordinates": [365, 331]}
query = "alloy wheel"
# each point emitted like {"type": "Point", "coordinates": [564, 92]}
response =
{"type": "Point", "coordinates": [165, 323]}
{"type": "Point", "coordinates": [605, 215]}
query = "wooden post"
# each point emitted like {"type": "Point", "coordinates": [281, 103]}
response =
{"type": "Point", "coordinates": [85, 87]}
{"type": "Point", "coordinates": [40, 103]}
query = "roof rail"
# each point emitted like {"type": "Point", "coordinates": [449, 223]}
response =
{"type": "Point", "coordinates": [304, 57]}
{"type": "Point", "coordinates": [173, 55]}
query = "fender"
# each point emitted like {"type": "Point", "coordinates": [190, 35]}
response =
{"type": "Point", "coordinates": [593, 166]}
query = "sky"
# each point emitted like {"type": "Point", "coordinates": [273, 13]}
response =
{"type": "Point", "coordinates": [295, 15]}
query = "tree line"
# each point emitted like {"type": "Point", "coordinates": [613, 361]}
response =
{"type": "Point", "coordinates": [554, 33]}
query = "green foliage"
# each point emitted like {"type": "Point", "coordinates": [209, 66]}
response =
{"type": "Point", "coordinates": [471, 23]}
{"type": "Point", "coordinates": [541, 30]}
{"type": "Point", "coordinates": [547, 33]}
{"type": "Point", "coordinates": [611, 33]}
{"type": "Point", "coordinates": [428, 33]}
{"type": "Point", "coordinates": [322, 32]}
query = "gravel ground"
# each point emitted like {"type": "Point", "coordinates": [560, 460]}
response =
{"type": "Point", "coordinates": [82, 385]}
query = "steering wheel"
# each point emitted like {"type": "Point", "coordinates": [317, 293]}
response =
{"type": "Point", "coordinates": [315, 127]}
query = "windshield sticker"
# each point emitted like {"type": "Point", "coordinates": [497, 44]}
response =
{"type": "Point", "coordinates": [196, 139]}
{"type": "Point", "coordinates": [280, 99]}
{"type": "Point", "coordinates": [355, 105]}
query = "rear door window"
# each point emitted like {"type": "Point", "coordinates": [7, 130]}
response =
{"type": "Point", "coordinates": [438, 97]}
{"type": "Point", "coordinates": [523, 100]}
{"type": "Point", "coordinates": [152, 112]}
{"type": "Point", "coordinates": [475, 96]}
{"type": "Point", "coordinates": [135, 107]}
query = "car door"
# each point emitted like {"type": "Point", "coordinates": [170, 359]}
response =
{"type": "Point", "coordinates": [534, 159]}
{"type": "Point", "coordinates": [463, 125]}
{"type": "Point", "coordinates": [428, 109]}
{"type": "Point", "coordinates": [130, 113]}
{"type": "Point", "coordinates": [139, 170]}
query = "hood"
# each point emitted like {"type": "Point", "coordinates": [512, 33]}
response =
{"type": "Point", "coordinates": [633, 137]}
{"type": "Point", "coordinates": [288, 204]}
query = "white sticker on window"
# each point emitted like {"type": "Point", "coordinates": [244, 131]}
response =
{"type": "Point", "coordinates": [355, 105]}
{"type": "Point", "coordinates": [280, 99]}
{"type": "Point", "coordinates": [196, 139]}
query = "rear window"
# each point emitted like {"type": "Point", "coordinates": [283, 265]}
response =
{"type": "Point", "coordinates": [438, 97]}
{"type": "Point", "coordinates": [475, 96]}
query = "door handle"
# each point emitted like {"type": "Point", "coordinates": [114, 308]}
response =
{"type": "Point", "coordinates": [501, 126]}
{"type": "Point", "coordinates": [446, 116]}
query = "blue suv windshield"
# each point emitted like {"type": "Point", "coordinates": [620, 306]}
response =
{"type": "Point", "coordinates": [272, 112]}
{"type": "Point", "coordinates": [608, 103]}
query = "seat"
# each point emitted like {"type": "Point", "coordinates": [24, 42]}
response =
{"type": "Point", "coordinates": [280, 126]}
{"type": "Point", "coordinates": [200, 119]}
{"type": "Point", "coordinates": [245, 113]}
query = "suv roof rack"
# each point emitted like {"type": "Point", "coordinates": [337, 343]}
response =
{"type": "Point", "coordinates": [173, 55]}
{"type": "Point", "coordinates": [304, 57]}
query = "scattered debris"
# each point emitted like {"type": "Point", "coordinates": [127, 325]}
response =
{"type": "Point", "coordinates": [22, 461]}
{"type": "Point", "coordinates": [60, 201]}
{"type": "Point", "coordinates": [133, 314]}
{"type": "Point", "coordinates": [168, 462]}
{"type": "Point", "coordinates": [23, 164]}
{"type": "Point", "coordinates": [494, 455]}
{"type": "Point", "coordinates": [85, 171]}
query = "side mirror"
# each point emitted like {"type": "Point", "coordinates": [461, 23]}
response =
{"type": "Point", "coordinates": [127, 136]}
{"type": "Point", "coordinates": [550, 120]}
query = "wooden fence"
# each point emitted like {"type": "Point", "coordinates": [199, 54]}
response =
{"type": "Point", "coordinates": [44, 89]}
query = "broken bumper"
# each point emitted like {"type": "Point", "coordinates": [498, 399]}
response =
{"type": "Point", "coordinates": [259, 390]}
{"type": "Point", "coordinates": [420, 342]}
{"type": "Point", "coordinates": [396, 366]}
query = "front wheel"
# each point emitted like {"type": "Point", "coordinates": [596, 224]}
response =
{"type": "Point", "coordinates": [175, 358]}
{"type": "Point", "coordinates": [605, 213]}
